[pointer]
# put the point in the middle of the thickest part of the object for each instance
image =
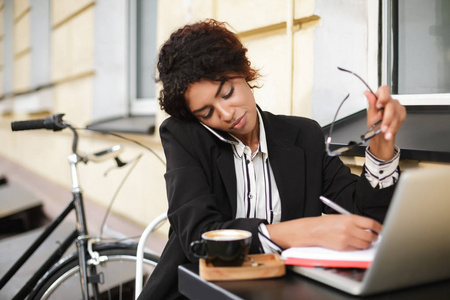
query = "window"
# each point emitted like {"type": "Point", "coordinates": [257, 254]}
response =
{"type": "Point", "coordinates": [407, 49]}
{"type": "Point", "coordinates": [40, 43]}
{"type": "Point", "coordinates": [416, 50]}
{"type": "Point", "coordinates": [7, 48]}
{"type": "Point", "coordinates": [342, 41]}
{"type": "Point", "coordinates": [125, 51]}
{"type": "Point", "coordinates": [26, 57]}
{"type": "Point", "coordinates": [143, 14]}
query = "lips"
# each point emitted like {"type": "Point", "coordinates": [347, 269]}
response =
{"type": "Point", "coordinates": [238, 123]}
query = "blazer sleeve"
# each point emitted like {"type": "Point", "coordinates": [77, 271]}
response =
{"type": "Point", "coordinates": [196, 196]}
{"type": "Point", "coordinates": [353, 192]}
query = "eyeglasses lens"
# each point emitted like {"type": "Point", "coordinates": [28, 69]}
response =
{"type": "Point", "coordinates": [343, 149]}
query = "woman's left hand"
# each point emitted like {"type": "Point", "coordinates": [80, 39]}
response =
{"type": "Point", "coordinates": [392, 113]}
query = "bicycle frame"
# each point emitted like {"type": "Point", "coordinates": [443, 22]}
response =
{"type": "Point", "coordinates": [80, 236]}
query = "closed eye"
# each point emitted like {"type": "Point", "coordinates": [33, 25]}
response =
{"type": "Point", "coordinates": [230, 93]}
{"type": "Point", "coordinates": [208, 114]}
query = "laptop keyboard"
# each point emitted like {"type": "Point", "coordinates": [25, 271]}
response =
{"type": "Point", "coordinates": [352, 273]}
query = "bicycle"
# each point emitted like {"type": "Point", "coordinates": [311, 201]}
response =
{"type": "Point", "coordinates": [98, 269]}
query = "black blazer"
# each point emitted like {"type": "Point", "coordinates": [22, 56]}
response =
{"type": "Point", "coordinates": [201, 187]}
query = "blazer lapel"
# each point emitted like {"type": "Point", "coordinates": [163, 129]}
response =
{"type": "Point", "coordinates": [288, 165]}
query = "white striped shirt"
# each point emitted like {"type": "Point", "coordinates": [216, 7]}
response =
{"type": "Point", "coordinates": [257, 192]}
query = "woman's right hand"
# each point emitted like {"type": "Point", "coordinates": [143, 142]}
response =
{"type": "Point", "coordinates": [338, 232]}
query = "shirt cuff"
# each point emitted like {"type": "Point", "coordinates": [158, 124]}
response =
{"type": "Point", "coordinates": [267, 244]}
{"type": "Point", "coordinates": [380, 173]}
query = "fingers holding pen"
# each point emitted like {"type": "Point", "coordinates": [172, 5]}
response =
{"type": "Point", "coordinates": [338, 232]}
{"type": "Point", "coordinates": [346, 232]}
{"type": "Point", "coordinates": [361, 232]}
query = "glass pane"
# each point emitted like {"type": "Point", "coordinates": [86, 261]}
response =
{"type": "Point", "coordinates": [423, 47]}
{"type": "Point", "coordinates": [145, 48]}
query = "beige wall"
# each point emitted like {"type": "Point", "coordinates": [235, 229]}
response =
{"type": "Point", "coordinates": [283, 54]}
{"type": "Point", "coordinates": [262, 26]}
{"type": "Point", "coordinates": [72, 64]}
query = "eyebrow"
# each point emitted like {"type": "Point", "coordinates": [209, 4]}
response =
{"type": "Point", "coordinates": [217, 94]}
{"type": "Point", "coordinates": [220, 88]}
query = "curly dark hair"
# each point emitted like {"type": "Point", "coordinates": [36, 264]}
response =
{"type": "Point", "coordinates": [203, 50]}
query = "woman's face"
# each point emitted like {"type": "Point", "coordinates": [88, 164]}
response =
{"type": "Point", "coordinates": [228, 106]}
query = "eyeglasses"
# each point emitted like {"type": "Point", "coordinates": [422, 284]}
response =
{"type": "Point", "coordinates": [373, 131]}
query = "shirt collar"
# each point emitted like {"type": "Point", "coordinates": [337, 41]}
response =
{"type": "Point", "coordinates": [237, 144]}
{"type": "Point", "coordinates": [262, 136]}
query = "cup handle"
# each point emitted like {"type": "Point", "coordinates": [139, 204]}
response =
{"type": "Point", "coordinates": [195, 247]}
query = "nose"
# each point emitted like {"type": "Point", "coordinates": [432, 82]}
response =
{"type": "Point", "coordinates": [225, 112]}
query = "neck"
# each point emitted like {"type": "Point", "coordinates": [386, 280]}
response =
{"type": "Point", "coordinates": [252, 139]}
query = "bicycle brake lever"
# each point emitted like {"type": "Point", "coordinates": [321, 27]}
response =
{"type": "Point", "coordinates": [119, 162]}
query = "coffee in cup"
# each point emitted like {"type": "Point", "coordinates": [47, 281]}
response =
{"type": "Point", "coordinates": [223, 247]}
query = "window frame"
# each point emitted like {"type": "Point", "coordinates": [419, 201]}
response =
{"type": "Point", "coordinates": [7, 63]}
{"type": "Point", "coordinates": [137, 106]}
{"type": "Point", "coordinates": [385, 62]}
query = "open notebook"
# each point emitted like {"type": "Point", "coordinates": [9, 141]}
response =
{"type": "Point", "coordinates": [415, 247]}
{"type": "Point", "coordinates": [322, 257]}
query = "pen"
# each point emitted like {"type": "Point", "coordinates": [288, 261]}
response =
{"type": "Point", "coordinates": [338, 208]}
{"type": "Point", "coordinates": [334, 206]}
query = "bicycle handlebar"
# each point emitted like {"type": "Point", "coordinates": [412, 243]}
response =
{"type": "Point", "coordinates": [54, 123]}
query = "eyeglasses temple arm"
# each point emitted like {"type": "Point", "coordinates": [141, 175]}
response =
{"type": "Point", "coordinates": [334, 120]}
{"type": "Point", "coordinates": [365, 83]}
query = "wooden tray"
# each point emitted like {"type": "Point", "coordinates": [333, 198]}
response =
{"type": "Point", "coordinates": [269, 265]}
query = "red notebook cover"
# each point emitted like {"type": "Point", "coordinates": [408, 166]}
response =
{"type": "Point", "coordinates": [305, 262]}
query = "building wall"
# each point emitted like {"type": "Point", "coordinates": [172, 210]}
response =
{"type": "Point", "coordinates": [72, 64]}
{"type": "Point", "coordinates": [280, 37]}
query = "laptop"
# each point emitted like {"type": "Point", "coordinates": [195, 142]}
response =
{"type": "Point", "coordinates": [415, 247]}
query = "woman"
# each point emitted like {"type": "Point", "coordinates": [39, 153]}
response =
{"type": "Point", "coordinates": [231, 165]}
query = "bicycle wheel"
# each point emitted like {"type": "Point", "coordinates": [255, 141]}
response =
{"type": "Point", "coordinates": [116, 275]}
